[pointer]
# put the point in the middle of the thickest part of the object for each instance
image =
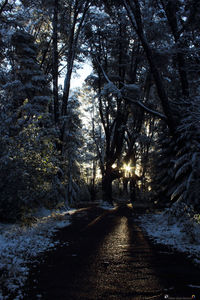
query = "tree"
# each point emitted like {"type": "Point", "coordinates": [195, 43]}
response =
{"type": "Point", "coordinates": [72, 159]}
{"type": "Point", "coordinates": [26, 132]}
{"type": "Point", "coordinates": [178, 106]}
{"type": "Point", "coordinates": [112, 109]}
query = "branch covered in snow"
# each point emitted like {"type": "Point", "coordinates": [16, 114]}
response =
{"type": "Point", "coordinates": [132, 88]}
{"type": "Point", "coordinates": [153, 112]}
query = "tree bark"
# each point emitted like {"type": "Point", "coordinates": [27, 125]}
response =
{"type": "Point", "coordinates": [73, 41]}
{"type": "Point", "coordinates": [74, 36]}
{"type": "Point", "coordinates": [107, 188]}
{"type": "Point", "coordinates": [55, 61]}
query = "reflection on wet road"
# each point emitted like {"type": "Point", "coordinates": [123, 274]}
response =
{"type": "Point", "coordinates": [110, 259]}
{"type": "Point", "coordinates": [122, 264]}
{"type": "Point", "coordinates": [116, 243]}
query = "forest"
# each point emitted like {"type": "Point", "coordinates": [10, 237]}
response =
{"type": "Point", "coordinates": [134, 125]}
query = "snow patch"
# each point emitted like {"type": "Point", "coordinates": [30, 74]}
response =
{"type": "Point", "coordinates": [177, 227]}
{"type": "Point", "coordinates": [20, 245]}
{"type": "Point", "coordinates": [107, 206]}
{"type": "Point", "coordinates": [194, 286]}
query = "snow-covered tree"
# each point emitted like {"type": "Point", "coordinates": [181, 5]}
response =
{"type": "Point", "coordinates": [26, 133]}
{"type": "Point", "coordinates": [72, 150]}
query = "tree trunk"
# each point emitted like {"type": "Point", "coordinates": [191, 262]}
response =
{"type": "Point", "coordinates": [73, 42]}
{"type": "Point", "coordinates": [107, 188]}
{"type": "Point", "coordinates": [125, 185]}
{"type": "Point", "coordinates": [107, 180]}
{"type": "Point", "coordinates": [55, 61]}
{"type": "Point", "coordinates": [134, 14]}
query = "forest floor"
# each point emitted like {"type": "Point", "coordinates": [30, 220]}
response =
{"type": "Point", "coordinates": [96, 253]}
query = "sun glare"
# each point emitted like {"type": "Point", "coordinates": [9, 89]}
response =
{"type": "Point", "coordinates": [127, 168]}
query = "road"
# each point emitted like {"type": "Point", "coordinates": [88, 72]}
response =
{"type": "Point", "coordinates": [105, 255]}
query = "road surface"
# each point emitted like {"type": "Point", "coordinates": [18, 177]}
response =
{"type": "Point", "coordinates": [105, 255]}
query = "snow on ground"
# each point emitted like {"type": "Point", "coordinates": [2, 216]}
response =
{"type": "Point", "coordinates": [106, 205]}
{"type": "Point", "coordinates": [177, 227]}
{"type": "Point", "coordinates": [21, 244]}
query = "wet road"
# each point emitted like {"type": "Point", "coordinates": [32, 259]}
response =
{"type": "Point", "coordinates": [105, 255]}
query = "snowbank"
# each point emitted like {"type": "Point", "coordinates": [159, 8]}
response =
{"type": "Point", "coordinates": [178, 227]}
{"type": "Point", "coordinates": [20, 245]}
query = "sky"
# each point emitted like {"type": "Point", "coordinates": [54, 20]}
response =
{"type": "Point", "coordinates": [78, 78]}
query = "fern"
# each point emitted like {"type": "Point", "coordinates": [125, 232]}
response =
{"type": "Point", "coordinates": [179, 190]}
{"type": "Point", "coordinates": [187, 163]}
{"type": "Point", "coordinates": [183, 169]}
{"type": "Point", "coordinates": [181, 160]}
{"type": "Point", "coordinates": [189, 181]}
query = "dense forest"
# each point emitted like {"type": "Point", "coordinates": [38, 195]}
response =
{"type": "Point", "coordinates": [136, 120]}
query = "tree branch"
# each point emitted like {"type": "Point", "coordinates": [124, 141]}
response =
{"type": "Point", "coordinates": [135, 16]}
{"type": "Point", "coordinates": [147, 109]}
{"type": "Point", "coordinates": [104, 73]}
{"type": "Point", "coordinates": [153, 112]}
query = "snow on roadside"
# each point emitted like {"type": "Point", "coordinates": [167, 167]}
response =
{"type": "Point", "coordinates": [177, 227]}
{"type": "Point", "coordinates": [21, 244]}
{"type": "Point", "coordinates": [106, 205]}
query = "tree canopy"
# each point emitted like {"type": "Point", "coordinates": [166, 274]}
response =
{"type": "Point", "coordinates": [141, 102]}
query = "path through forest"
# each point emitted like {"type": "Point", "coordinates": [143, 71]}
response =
{"type": "Point", "coordinates": [105, 255]}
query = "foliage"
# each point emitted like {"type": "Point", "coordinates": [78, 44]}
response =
{"type": "Point", "coordinates": [143, 99]}
{"type": "Point", "coordinates": [40, 141]}
{"type": "Point", "coordinates": [161, 168]}
{"type": "Point", "coordinates": [27, 165]}
{"type": "Point", "coordinates": [187, 164]}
